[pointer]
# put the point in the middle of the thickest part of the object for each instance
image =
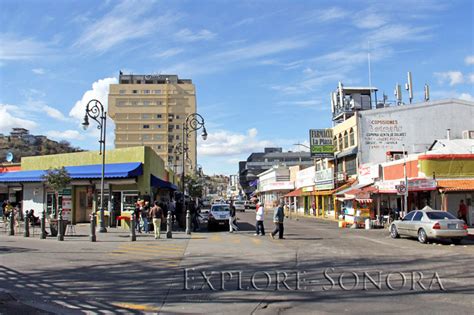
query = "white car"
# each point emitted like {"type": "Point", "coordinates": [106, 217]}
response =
{"type": "Point", "coordinates": [218, 216]}
{"type": "Point", "coordinates": [239, 206]}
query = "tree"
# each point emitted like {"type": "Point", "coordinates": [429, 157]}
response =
{"type": "Point", "coordinates": [194, 186]}
{"type": "Point", "coordinates": [57, 179]}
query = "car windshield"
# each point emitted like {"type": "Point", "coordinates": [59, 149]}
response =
{"type": "Point", "coordinates": [221, 208]}
{"type": "Point", "coordinates": [239, 202]}
{"type": "Point", "coordinates": [440, 215]}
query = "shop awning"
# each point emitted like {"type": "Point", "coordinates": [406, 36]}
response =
{"type": "Point", "coordinates": [160, 183]}
{"type": "Point", "coordinates": [453, 185]}
{"type": "Point", "coordinates": [295, 193]}
{"type": "Point", "coordinates": [115, 170]}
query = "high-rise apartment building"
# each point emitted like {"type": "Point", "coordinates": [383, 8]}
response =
{"type": "Point", "coordinates": [150, 110]}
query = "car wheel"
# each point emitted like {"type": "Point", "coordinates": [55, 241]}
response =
{"type": "Point", "coordinates": [394, 232]}
{"type": "Point", "coordinates": [456, 241]}
{"type": "Point", "coordinates": [422, 237]}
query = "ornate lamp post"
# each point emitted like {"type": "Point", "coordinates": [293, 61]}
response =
{"type": "Point", "coordinates": [95, 110]}
{"type": "Point", "coordinates": [192, 123]}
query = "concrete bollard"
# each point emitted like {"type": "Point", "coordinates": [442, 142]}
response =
{"type": "Point", "coordinates": [12, 223]}
{"type": "Point", "coordinates": [188, 222]}
{"type": "Point", "coordinates": [92, 236]}
{"type": "Point", "coordinates": [43, 226]}
{"type": "Point", "coordinates": [169, 233]}
{"type": "Point", "coordinates": [60, 226]}
{"type": "Point", "coordinates": [133, 235]}
{"type": "Point", "coordinates": [27, 226]}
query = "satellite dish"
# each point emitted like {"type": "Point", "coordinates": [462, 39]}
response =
{"type": "Point", "coordinates": [9, 157]}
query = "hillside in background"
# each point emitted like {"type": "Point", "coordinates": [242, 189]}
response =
{"type": "Point", "coordinates": [20, 143]}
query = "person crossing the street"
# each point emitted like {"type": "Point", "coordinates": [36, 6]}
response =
{"type": "Point", "coordinates": [156, 214]}
{"type": "Point", "coordinates": [278, 216]}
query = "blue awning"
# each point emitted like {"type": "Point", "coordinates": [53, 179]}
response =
{"type": "Point", "coordinates": [159, 183]}
{"type": "Point", "coordinates": [115, 170]}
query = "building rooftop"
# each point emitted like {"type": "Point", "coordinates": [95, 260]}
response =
{"type": "Point", "coordinates": [151, 79]}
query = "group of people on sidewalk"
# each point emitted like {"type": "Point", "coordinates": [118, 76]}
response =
{"type": "Point", "coordinates": [143, 214]}
{"type": "Point", "coordinates": [278, 218]}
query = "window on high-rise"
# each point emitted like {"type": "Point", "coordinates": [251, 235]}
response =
{"type": "Point", "coordinates": [158, 116]}
{"type": "Point", "coordinates": [146, 126]}
{"type": "Point", "coordinates": [146, 91]}
{"type": "Point", "coordinates": [135, 91]}
{"type": "Point", "coordinates": [157, 91]}
{"type": "Point", "coordinates": [351, 137]}
{"type": "Point", "coordinates": [346, 139]}
{"type": "Point", "coordinates": [146, 116]}
{"type": "Point", "coordinates": [146, 103]}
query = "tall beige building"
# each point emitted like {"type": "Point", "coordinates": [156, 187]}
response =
{"type": "Point", "coordinates": [150, 110]}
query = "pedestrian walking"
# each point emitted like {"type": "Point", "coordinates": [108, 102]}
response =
{"type": "Point", "coordinates": [462, 212]}
{"type": "Point", "coordinates": [136, 214]}
{"type": "Point", "coordinates": [233, 219]}
{"type": "Point", "coordinates": [145, 214]}
{"type": "Point", "coordinates": [156, 214]}
{"type": "Point", "coordinates": [278, 216]}
{"type": "Point", "coordinates": [259, 216]}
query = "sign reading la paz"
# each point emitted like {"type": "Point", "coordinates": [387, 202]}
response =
{"type": "Point", "coordinates": [320, 143]}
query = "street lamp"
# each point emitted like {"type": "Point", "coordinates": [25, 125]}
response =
{"type": "Point", "coordinates": [95, 110]}
{"type": "Point", "coordinates": [192, 123]}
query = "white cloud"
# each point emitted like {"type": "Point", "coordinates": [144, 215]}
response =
{"type": "Point", "coordinates": [469, 60]}
{"type": "Point", "coordinates": [126, 21]}
{"type": "Point", "coordinates": [38, 71]}
{"type": "Point", "coordinates": [65, 135]}
{"type": "Point", "coordinates": [466, 97]}
{"type": "Point", "coordinates": [14, 47]}
{"type": "Point", "coordinates": [369, 20]}
{"type": "Point", "coordinates": [99, 91]}
{"type": "Point", "coordinates": [227, 143]}
{"type": "Point", "coordinates": [9, 120]}
{"type": "Point", "coordinates": [223, 60]}
{"type": "Point", "coordinates": [42, 107]}
{"type": "Point", "coordinates": [470, 77]}
{"type": "Point", "coordinates": [186, 35]}
{"type": "Point", "coordinates": [453, 77]}
{"type": "Point", "coordinates": [169, 53]}
{"type": "Point", "coordinates": [325, 15]}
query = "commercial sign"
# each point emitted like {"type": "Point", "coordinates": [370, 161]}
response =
{"type": "Point", "coordinates": [324, 179]}
{"type": "Point", "coordinates": [367, 173]}
{"type": "Point", "coordinates": [285, 185]}
{"type": "Point", "coordinates": [305, 177]}
{"type": "Point", "coordinates": [422, 184]}
{"type": "Point", "coordinates": [320, 143]}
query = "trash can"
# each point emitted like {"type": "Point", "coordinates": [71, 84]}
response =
{"type": "Point", "coordinates": [367, 224]}
{"type": "Point", "coordinates": [53, 226]}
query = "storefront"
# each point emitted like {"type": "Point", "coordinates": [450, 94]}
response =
{"type": "Point", "coordinates": [124, 182]}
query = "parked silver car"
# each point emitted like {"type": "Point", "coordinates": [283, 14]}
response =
{"type": "Point", "coordinates": [218, 216]}
{"type": "Point", "coordinates": [427, 224]}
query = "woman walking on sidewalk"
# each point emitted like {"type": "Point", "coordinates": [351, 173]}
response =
{"type": "Point", "coordinates": [260, 229]}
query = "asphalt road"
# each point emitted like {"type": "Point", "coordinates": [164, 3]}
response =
{"type": "Point", "coordinates": [317, 269]}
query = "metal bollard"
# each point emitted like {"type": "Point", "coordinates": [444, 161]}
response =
{"type": "Point", "coordinates": [60, 226]}
{"type": "Point", "coordinates": [231, 230]}
{"type": "Point", "coordinates": [12, 223]}
{"type": "Point", "coordinates": [188, 222]}
{"type": "Point", "coordinates": [43, 226]}
{"type": "Point", "coordinates": [92, 236]}
{"type": "Point", "coordinates": [169, 233]}
{"type": "Point", "coordinates": [27, 226]}
{"type": "Point", "coordinates": [133, 236]}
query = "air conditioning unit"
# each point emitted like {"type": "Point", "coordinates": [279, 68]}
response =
{"type": "Point", "coordinates": [468, 134]}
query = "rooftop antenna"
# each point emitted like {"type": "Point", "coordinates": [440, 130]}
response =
{"type": "Point", "coordinates": [398, 94]}
{"type": "Point", "coordinates": [409, 87]}
{"type": "Point", "coordinates": [427, 92]}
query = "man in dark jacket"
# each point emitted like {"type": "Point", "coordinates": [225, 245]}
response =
{"type": "Point", "coordinates": [278, 216]}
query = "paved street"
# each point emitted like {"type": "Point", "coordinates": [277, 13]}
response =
{"type": "Point", "coordinates": [318, 268]}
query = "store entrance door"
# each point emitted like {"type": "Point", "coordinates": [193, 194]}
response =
{"type": "Point", "coordinates": [80, 205]}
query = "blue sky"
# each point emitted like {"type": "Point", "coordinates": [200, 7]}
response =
{"type": "Point", "coordinates": [263, 70]}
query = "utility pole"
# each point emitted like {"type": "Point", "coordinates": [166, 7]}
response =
{"type": "Point", "coordinates": [405, 195]}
